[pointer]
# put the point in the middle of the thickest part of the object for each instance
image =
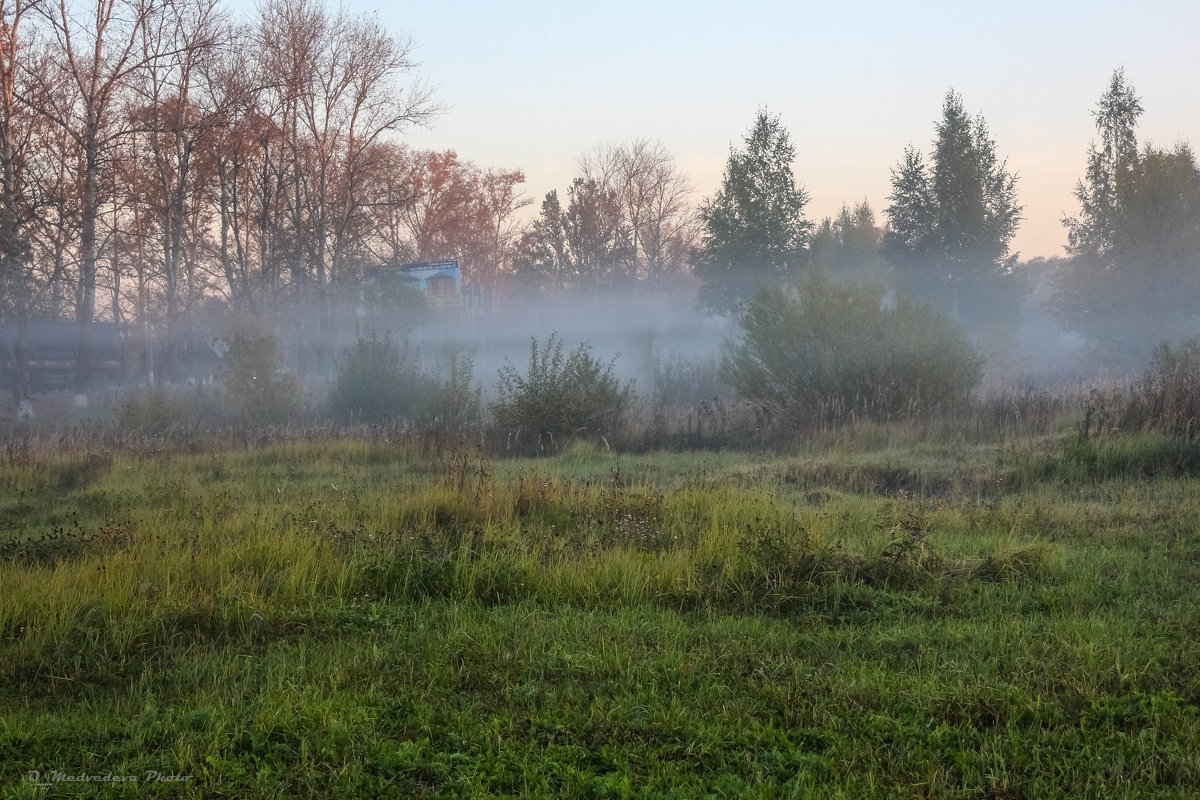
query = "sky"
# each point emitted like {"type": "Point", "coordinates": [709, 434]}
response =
{"type": "Point", "coordinates": [533, 85]}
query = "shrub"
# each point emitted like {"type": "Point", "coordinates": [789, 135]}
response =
{"type": "Point", "coordinates": [830, 351]}
{"type": "Point", "coordinates": [379, 380]}
{"type": "Point", "coordinates": [155, 411]}
{"type": "Point", "coordinates": [456, 397]}
{"type": "Point", "coordinates": [560, 394]}
{"type": "Point", "coordinates": [259, 390]}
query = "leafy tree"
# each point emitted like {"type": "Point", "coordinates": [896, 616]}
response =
{"type": "Point", "coordinates": [1134, 279]}
{"type": "Point", "coordinates": [754, 231]}
{"type": "Point", "coordinates": [829, 351]}
{"type": "Point", "coordinates": [585, 246]}
{"type": "Point", "coordinates": [1133, 276]}
{"type": "Point", "coordinates": [1091, 233]}
{"type": "Point", "coordinates": [849, 245]}
{"type": "Point", "coordinates": [911, 231]}
{"type": "Point", "coordinates": [951, 222]}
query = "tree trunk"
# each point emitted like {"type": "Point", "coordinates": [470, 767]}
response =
{"type": "Point", "coordinates": [85, 310]}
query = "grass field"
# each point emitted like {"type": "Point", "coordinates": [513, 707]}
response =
{"type": "Point", "coordinates": [870, 617]}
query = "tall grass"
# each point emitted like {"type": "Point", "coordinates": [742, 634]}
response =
{"type": "Point", "coordinates": [309, 612]}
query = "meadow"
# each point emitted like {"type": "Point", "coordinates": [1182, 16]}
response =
{"type": "Point", "coordinates": [871, 612]}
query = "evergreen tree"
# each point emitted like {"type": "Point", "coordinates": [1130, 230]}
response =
{"type": "Point", "coordinates": [754, 227]}
{"type": "Point", "coordinates": [849, 245]}
{"type": "Point", "coordinates": [541, 259]}
{"type": "Point", "coordinates": [952, 222]}
{"type": "Point", "coordinates": [582, 247]}
{"type": "Point", "coordinates": [597, 240]}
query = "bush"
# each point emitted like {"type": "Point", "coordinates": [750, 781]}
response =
{"type": "Point", "coordinates": [826, 352]}
{"type": "Point", "coordinates": [560, 395]}
{"type": "Point", "coordinates": [259, 390]}
{"type": "Point", "coordinates": [379, 381]}
{"type": "Point", "coordinates": [456, 397]}
{"type": "Point", "coordinates": [155, 411]}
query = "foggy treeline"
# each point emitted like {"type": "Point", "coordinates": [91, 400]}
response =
{"type": "Point", "coordinates": [165, 165]}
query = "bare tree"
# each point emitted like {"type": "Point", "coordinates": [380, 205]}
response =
{"type": "Point", "coordinates": [179, 119]}
{"type": "Point", "coordinates": [333, 91]}
{"type": "Point", "coordinates": [372, 108]}
{"type": "Point", "coordinates": [54, 180]}
{"type": "Point", "coordinates": [654, 204]}
{"type": "Point", "coordinates": [16, 205]}
{"type": "Point", "coordinates": [238, 151]}
{"type": "Point", "coordinates": [97, 49]}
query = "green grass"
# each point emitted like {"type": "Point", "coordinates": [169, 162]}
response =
{"type": "Point", "coordinates": [341, 618]}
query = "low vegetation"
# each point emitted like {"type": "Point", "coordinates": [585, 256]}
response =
{"type": "Point", "coordinates": [559, 395]}
{"type": "Point", "coordinates": [380, 381]}
{"type": "Point", "coordinates": [994, 598]}
{"type": "Point", "coordinates": [834, 351]}
{"type": "Point", "coordinates": [879, 613]}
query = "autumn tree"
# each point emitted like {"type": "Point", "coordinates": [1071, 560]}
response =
{"type": "Point", "coordinates": [97, 53]}
{"type": "Point", "coordinates": [425, 206]}
{"type": "Point", "coordinates": [437, 216]}
{"type": "Point", "coordinates": [495, 226]}
{"type": "Point", "coordinates": [335, 91]}
{"type": "Point", "coordinates": [156, 159]}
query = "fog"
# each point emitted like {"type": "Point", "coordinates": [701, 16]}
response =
{"type": "Point", "coordinates": [645, 334]}
{"type": "Point", "coordinates": [641, 331]}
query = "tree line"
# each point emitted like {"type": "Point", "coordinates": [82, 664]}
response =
{"type": "Point", "coordinates": [162, 162]}
{"type": "Point", "coordinates": [159, 158]}
{"type": "Point", "coordinates": [1129, 280]}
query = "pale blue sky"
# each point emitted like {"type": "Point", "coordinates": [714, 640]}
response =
{"type": "Point", "coordinates": [532, 85]}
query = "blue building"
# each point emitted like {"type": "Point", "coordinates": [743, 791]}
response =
{"type": "Point", "coordinates": [439, 281]}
